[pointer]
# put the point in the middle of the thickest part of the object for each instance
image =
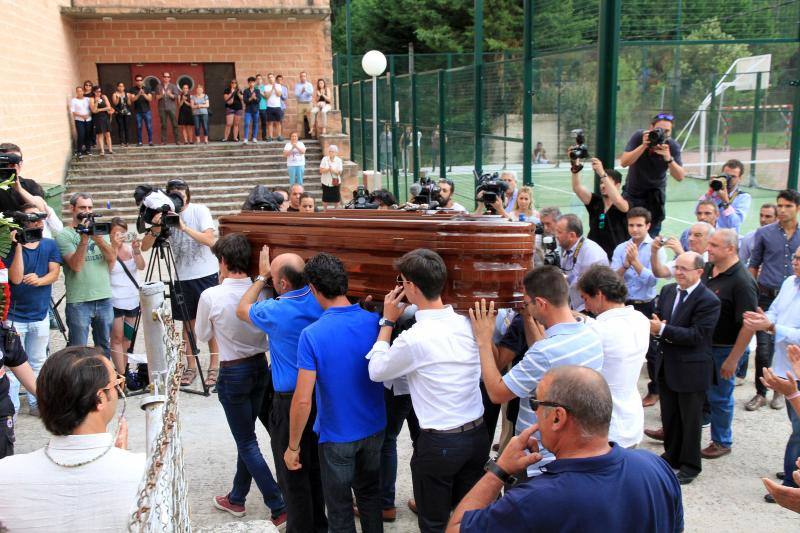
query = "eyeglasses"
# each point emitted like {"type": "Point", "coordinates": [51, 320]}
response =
{"type": "Point", "coordinates": [664, 116]}
{"type": "Point", "coordinates": [795, 258]}
{"type": "Point", "coordinates": [602, 223]}
{"type": "Point", "coordinates": [399, 279]}
{"type": "Point", "coordinates": [167, 76]}
{"type": "Point", "coordinates": [535, 404]}
{"type": "Point", "coordinates": [119, 381]}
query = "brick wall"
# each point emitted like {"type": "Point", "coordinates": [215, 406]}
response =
{"type": "Point", "coordinates": [253, 46]}
{"type": "Point", "coordinates": [38, 74]}
{"type": "Point", "coordinates": [200, 3]}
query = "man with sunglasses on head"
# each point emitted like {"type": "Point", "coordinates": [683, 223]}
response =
{"type": "Point", "coordinates": [646, 185]}
{"type": "Point", "coordinates": [591, 477]}
{"type": "Point", "coordinates": [84, 479]}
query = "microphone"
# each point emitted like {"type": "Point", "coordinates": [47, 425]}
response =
{"type": "Point", "coordinates": [415, 189]}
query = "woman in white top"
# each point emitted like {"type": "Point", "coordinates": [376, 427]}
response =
{"type": "Point", "coordinates": [124, 292]}
{"type": "Point", "coordinates": [295, 154]}
{"type": "Point", "coordinates": [331, 170]}
{"type": "Point", "coordinates": [82, 115]}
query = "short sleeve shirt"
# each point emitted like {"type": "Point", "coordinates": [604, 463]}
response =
{"type": "Point", "coordinates": [650, 170]}
{"type": "Point", "coordinates": [273, 95]}
{"type": "Point", "coordinates": [140, 105]}
{"type": "Point", "coordinates": [236, 103]}
{"type": "Point", "coordinates": [192, 259]}
{"type": "Point", "coordinates": [93, 282]}
{"type": "Point", "coordinates": [606, 228]}
{"type": "Point", "coordinates": [296, 157]}
{"type": "Point", "coordinates": [30, 303]}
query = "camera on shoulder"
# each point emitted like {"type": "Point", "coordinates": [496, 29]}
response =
{"type": "Point", "coordinates": [491, 187]}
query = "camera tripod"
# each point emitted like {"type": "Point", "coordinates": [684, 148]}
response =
{"type": "Point", "coordinates": [162, 251]}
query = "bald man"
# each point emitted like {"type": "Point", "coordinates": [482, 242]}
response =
{"type": "Point", "coordinates": [282, 319]}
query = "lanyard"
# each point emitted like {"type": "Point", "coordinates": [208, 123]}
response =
{"type": "Point", "coordinates": [575, 255]}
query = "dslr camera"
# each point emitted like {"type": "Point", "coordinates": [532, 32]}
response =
{"type": "Point", "coordinates": [151, 202]}
{"type": "Point", "coordinates": [7, 162]}
{"type": "Point", "coordinates": [656, 136]}
{"type": "Point", "coordinates": [549, 247]}
{"type": "Point", "coordinates": [579, 150]}
{"type": "Point", "coordinates": [492, 188]}
{"type": "Point", "coordinates": [26, 235]}
{"type": "Point", "coordinates": [91, 227]}
{"type": "Point", "coordinates": [362, 199]}
{"type": "Point", "coordinates": [717, 183]}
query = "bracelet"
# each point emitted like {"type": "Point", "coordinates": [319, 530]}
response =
{"type": "Point", "coordinates": [793, 396]}
{"type": "Point", "coordinates": [293, 449]}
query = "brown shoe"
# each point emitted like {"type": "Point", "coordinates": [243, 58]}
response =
{"type": "Point", "coordinates": [777, 401]}
{"type": "Point", "coordinates": [756, 403]}
{"type": "Point", "coordinates": [650, 400]}
{"type": "Point", "coordinates": [655, 434]}
{"type": "Point", "coordinates": [714, 450]}
{"type": "Point", "coordinates": [390, 515]}
{"type": "Point", "coordinates": [413, 506]}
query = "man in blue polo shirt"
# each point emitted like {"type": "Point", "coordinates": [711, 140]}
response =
{"type": "Point", "coordinates": [592, 486]}
{"type": "Point", "coordinates": [351, 416]}
{"type": "Point", "coordinates": [283, 319]}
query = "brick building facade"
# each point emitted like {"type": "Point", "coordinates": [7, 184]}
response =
{"type": "Point", "coordinates": [51, 46]}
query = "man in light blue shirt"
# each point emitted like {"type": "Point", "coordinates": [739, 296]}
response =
{"type": "Point", "coordinates": [732, 202]}
{"type": "Point", "coordinates": [566, 341]}
{"type": "Point", "coordinates": [782, 320]}
{"type": "Point", "coordinates": [767, 215]}
{"type": "Point", "coordinates": [304, 92]}
{"type": "Point", "coordinates": [578, 253]}
{"type": "Point", "coordinates": [631, 259]}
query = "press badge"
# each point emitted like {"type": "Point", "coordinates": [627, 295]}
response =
{"type": "Point", "coordinates": [4, 275]}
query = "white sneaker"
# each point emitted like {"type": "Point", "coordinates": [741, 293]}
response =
{"type": "Point", "coordinates": [245, 141]}
{"type": "Point", "coordinates": [255, 141]}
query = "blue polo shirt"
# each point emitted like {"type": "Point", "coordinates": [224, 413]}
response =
{"type": "Point", "coordinates": [283, 319]}
{"type": "Point", "coordinates": [349, 404]}
{"type": "Point", "coordinates": [30, 303]}
{"type": "Point", "coordinates": [623, 491]}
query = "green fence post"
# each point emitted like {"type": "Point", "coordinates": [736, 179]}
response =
{"type": "Point", "coordinates": [393, 129]}
{"type": "Point", "coordinates": [414, 132]}
{"type": "Point", "coordinates": [754, 137]}
{"type": "Point", "coordinates": [362, 124]}
{"type": "Point", "coordinates": [709, 129]}
{"type": "Point", "coordinates": [527, 95]}
{"type": "Point", "coordinates": [349, 72]}
{"type": "Point", "coordinates": [442, 130]}
{"type": "Point", "coordinates": [478, 86]}
{"type": "Point", "coordinates": [607, 67]}
{"type": "Point", "coordinates": [794, 150]}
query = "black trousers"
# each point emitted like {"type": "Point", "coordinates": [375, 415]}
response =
{"type": "Point", "coordinates": [647, 309]}
{"type": "Point", "coordinates": [302, 489]}
{"type": "Point", "coordinates": [444, 467]}
{"type": "Point", "coordinates": [765, 344]}
{"type": "Point", "coordinates": [491, 412]}
{"type": "Point", "coordinates": [262, 122]}
{"type": "Point", "coordinates": [682, 418]}
{"type": "Point", "coordinates": [123, 125]}
{"type": "Point", "coordinates": [6, 436]}
{"type": "Point", "coordinates": [83, 136]}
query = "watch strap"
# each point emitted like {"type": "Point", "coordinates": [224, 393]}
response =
{"type": "Point", "coordinates": [261, 278]}
{"type": "Point", "coordinates": [492, 467]}
{"type": "Point", "coordinates": [385, 322]}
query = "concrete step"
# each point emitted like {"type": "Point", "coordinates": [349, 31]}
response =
{"type": "Point", "coordinates": [212, 150]}
{"type": "Point", "coordinates": [198, 174]}
{"type": "Point", "coordinates": [128, 185]}
{"type": "Point", "coordinates": [186, 167]}
{"type": "Point", "coordinates": [101, 163]}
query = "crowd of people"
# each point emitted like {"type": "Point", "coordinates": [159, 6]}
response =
{"type": "Point", "coordinates": [559, 375]}
{"type": "Point", "coordinates": [258, 107]}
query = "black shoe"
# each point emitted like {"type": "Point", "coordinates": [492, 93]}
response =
{"type": "Point", "coordinates": [685, 479]}
{"type": "Point", "coordinates": [780, 475]}
{"type": "Point", "coordinates": [769, 498]}
{"type": "Point", "coordinates": [132, 382]}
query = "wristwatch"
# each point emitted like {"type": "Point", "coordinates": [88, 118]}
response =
{"type": "Point", "coordinates": [670, 160]}
{"type": "Point", "coordinates": [384, 322]}
{"type": "Point", "coordinates": [261, 279]}
{"type": "Point", "coordinates": [492, 467]}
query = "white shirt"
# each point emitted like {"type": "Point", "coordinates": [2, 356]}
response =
{"type": "Point", "coordinates": [124, 294]}
{"type": "Point", "coordinates": [52, 224]}
{"type": "Point", "coordinates": [41, 496]}
{"type": "Point", "coordinates": [216, 319]}
{"type": "Point", "coordinates": [81, 107]}
{"type": "Point", "coordinates": [296, 157]}
{"type": "Point", "coordinates": [625, 334]}
{"type": "Point", "coordinates": [440, 358]}
{"type": "Point", "coordinates": [327, 175]}
{"type": "Point", "coordinates": [273, 98]}
{"type": "Point", "coordinates": [192, 259]}
{"type": "Point", "coordinates": [458, 207]}
{"type": "Point", "coordinates": [589, 253]}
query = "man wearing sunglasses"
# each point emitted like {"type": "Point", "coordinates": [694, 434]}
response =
{"type": "Point", "coordinates": [84, 477]}
{"type": "Point", "coordinates": [591, 477]}
{"type": "Point", "coordinates": [646, 185]}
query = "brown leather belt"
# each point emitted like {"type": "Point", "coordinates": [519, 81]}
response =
{"type": "Point", "coordinates": [236, 362]}
{"type": "Point", "coordinates": [460, 429]}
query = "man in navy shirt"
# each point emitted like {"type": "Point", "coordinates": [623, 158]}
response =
{"type": "Point", "coordinates": [646, 185]}
{"type": "Point", "coordinates": [351, 416]}
{"type": "Point", "coordinates": [588, 485]}
{"type": "Point", "coordinates": [283, 319]}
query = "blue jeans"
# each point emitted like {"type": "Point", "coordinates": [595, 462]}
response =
{"type": "Point", "coordinates": [792, 446]}
{"type": "Point", "coordinates": [34, 337]}
{"type": "Point", "coordinates": [200, 120]}
{"type": "Point", "coordinates": [251, 124]}
{"type": "Point", "coordinates": [147, 117]}
{"type": "Point", "coordinates": [352, 466]}
{"type": "Point", "coordinates": [296, 175]}
{"type": "Point", "coordinates": [99, 314]}
{"type": "Point", "coordinates": [720, 399]}
{"type": "Point", "coordinates": [240, 390]}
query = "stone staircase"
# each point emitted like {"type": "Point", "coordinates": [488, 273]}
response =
{"type": "Point", "coordinates": [220, 175]}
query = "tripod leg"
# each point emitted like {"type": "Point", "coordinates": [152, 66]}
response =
{"type": "Point", "coordinates": [58, 319]}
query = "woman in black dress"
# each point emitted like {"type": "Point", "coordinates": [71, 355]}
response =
{"type": "Point", "coordinates": [101, 111]}
{"type": "Point", "coordinates": [185, 118]}
{"type": "Point", "coordinates": [122, 112]}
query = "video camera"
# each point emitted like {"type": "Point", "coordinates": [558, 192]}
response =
{"type": "Point", "coordinates": [262, 199]}
{"type": "Point", "coordinates": [91, 227]}
{"type": "Point", "coordinates": [549, 247]}
{"type": "Point", "coordinates": [579, 150]}
{"type": "Point", "coordinates": [151, 202]}
{"type": "Point", "coordinates": [492, 188]}
{"type": "Point", "coordinates": [362, 199]}
{"type": "Point", "coordinates": [718, 182]}
{"type": "Point", "coordinates": [656, 136]}
{"type": "Point", "coordinates": [26, 235]}
{"type": "Point", "coordinates": [427, 192]}
{"type": "Point", "coordinates": [7, 161]}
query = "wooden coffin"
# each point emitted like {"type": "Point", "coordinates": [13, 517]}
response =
{"type": "Point", "coordinates": [486, 256]}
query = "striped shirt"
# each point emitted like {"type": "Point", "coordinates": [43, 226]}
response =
{"type": "Point", "coordinates": [567, 343]}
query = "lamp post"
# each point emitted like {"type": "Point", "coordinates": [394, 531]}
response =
{"type": "Point", "coordinates": [374, 64]}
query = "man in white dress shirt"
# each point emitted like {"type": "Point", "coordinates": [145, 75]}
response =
{"type": "Point", "coordinates": [84, 479]}
{"type": "Point", "coordinates": [625, 334]}
{"type": "Point", "coordinates": [439, 357]}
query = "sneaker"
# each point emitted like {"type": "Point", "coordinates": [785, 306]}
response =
{"type": "Point", "coordinates": [280, 138]}
{"type": "Point", "coordinates": [255, 141]}
{"type": "Point", "coordinates": [150, 144]}
{"type": "Point", "coordinates": [756, 403]}
{"type": "Point", "coordinates": [132, 381]}
{"type": "Point", "coordinates": [777, 402]}
{"type": "Point", "coordinates": [269, 139]}
{"type": "Point", "coordinates": [245, 141]}
{"type": "Point", "coordinates": [138, 144]}
{"type": "Point", "coordinates": [223, 140]}
{"type": "Point", "coordinates": [224, 504]}
{"type": "Point", "coordinates": [279, 521]}
{"type": "Point", "coordinates": [34, 411]}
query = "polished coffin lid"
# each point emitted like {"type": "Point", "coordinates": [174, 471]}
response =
{"type": "Point", "coordinates": [486, 256]}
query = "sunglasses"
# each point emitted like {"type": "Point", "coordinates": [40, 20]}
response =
{"type": "Point", "coordinates": [118, 382]}
{"type": "Point", "coordinates": [602, 222]}
{"type": "Point", "coordinates": [535, 404]}
{"type": "Point", "coordinates": [664, 116]}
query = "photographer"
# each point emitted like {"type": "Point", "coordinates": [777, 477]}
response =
{"type": "Point", "coordinates": [578, 253]}
{"type": "Point", "coordinates": [650, 154]}
{"type": "Point", "coordinates": [19, 194]}
{"type": "Point", "coordinates": [33, 267]}
{"type": "Point", "coordinates": [446, 191]}
{"type": "Point", "coordinates": [733, 204]}
{"type": "Point", "coordinates": [196, 270]}
{"type": "Point", "coordinates": [607, 221]}
{"type": "Point", "coordinates": [510, 198]}
{"type": "Point", "coordinates": [87, 260]}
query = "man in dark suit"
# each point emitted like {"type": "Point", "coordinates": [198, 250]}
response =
{"type": "Point", "coordinates": [684, 322]}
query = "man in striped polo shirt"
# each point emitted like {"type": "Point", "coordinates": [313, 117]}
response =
{"type": "Point", "coordinates": [567, 341]}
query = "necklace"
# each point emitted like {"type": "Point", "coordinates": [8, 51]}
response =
{"type": "Point", "coordinates": [75, 465]}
